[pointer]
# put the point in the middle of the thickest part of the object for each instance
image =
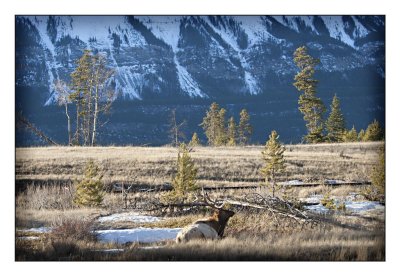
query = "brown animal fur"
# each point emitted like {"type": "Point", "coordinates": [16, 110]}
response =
{"type": "Point", "coordinates": [218, 220]}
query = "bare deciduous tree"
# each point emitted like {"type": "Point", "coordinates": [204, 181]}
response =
{"type": "Point", "coordinates": [63, 100]}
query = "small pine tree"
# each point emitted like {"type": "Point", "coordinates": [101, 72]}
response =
{"type": "Point", "coordinates": [245, 130]}
{"type": "Point", "coordinates": [374, 132]}
{"type": "Point", "coordinates": [184, 182]}
{"type": "Point", "coordinates": [231, 132]}
{"type": "Point", "coordinates": [335, 124]}
{"type": "Point", "coordinates": [89, 191]}
{"type": "Point", "coordinates": [361, 135]}
{"type": "Point", "coordinates": [350, 135]}
{"type": "Point", "coordinates": [195, 142]}
{"type": "Point", "coordinates": [274, 161]}
{"type": "Point", "coordinates": [377, 190]}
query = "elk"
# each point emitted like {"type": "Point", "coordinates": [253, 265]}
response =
{"type": "Point", "coordinates": [207, 228]}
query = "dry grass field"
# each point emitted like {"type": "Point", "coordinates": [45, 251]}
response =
{"type": "Point", "coordinates": [250, 235]}
{"type": "Point", "coordinates": [216, 166]}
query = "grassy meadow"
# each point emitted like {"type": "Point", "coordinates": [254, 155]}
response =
{"type": "Point", "coordinates": [249, 235]}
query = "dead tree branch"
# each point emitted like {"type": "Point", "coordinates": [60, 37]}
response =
{"type": "Point", "coordinates": [22, 121]}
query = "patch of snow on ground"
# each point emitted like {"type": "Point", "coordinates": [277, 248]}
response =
{"type": "Point", "coordinates": [317, 208]}
{"type": "Point", "coordinates": [333, 181]}
{"type": "Point", "coordinates": [354, 207]}
{"type": "Point", "coordinates": [134, 217]}
{"type": "Point", "coordinates": [137, 235]}
{"type": "Point", "coordinates": [363, 206]}
{"type": "Point", "coordinates": [36, 230]}
{"type": "Point", "coordinates": [28, 238]}
{"type": "Point", "coordinates": [293, 182]}
{"type": "Point", "coordinates": [112, 250]}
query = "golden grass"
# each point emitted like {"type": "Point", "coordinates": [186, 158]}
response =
{"type": "Point", "coordinates": [28, 218]}
{"type": "Point", "coordinates": [216, 166]}
{"type": "Point", "coordinates": [332, 245]}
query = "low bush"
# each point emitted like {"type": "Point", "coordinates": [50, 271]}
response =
{"type": "Point", "coordinates": [73, 229]}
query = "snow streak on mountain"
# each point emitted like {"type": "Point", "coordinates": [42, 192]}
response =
{"type": "Point", "coordinates": [193, 57]}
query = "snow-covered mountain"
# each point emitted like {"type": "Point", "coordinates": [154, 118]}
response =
{"type": "Point", "coordinates": [239, 61]}
{"type": "Point", "coordinates": [193, 56]}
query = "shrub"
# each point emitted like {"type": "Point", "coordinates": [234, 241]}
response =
{"type": "Point", "coordinates": [73, 229]}
{"type": "Point", "coordinates": [328, 202]}
{"type": "Point", "coordinates": [89, 191]}
{"type": "Point", "coordinates": [376, 191]}
{"type": "Point", "coordinates": [49, 197]}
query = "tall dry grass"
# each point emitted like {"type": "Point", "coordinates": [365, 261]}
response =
{"type": "Point", "coordinates": [216, 166]}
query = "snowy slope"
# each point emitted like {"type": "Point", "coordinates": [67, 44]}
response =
{"type": "Point", "coordinates": [168, 29]}
{"type": "Point", "coordinates": [229, 51]}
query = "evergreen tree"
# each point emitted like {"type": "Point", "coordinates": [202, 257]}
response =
{"type": "Point", "coordinates": [374, 132]}
{"type": "Point", "coordinates": [377, 190]}
{"type": "Point", "coordinates": [80, 90]}
{"type": "Point", "coordinates": [361, 135]}
{"type": "Point", "coordinates": [310, 105]}
{"type": "Point", "coordinates": [89, 191]}
{"type": "Point", "coordinates": [222, 137]}
{"type": "Point", "coordinates": [335, 124]}
{"type": "Point", "coordinates": [184, 182]}
{"type": "Point", "coordinates": [195, 142]}
{"type": "Point", "coordinates": [350, 135]}
{"type": "Point", "coordinates": [209, 123]}
{"type": "Point", "coordinates": [274, 161]}
{"type": "Point", "coordinates": [245, 130]}
{"type": "Point", "coordinates": [231, 132]}
{"type": "Point", "coordinates": [214, 125]}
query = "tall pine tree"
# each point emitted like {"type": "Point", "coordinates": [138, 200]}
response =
{"type": "Point", "coordinates": [209, 123]}
{"type": "Point", "coordinates": [245, 130]}
{"type": "Point", "coordinates": [335, 124]}
{"type": "Point", "coordinates": [310, 105]}
{"type": "Point", "coordinates": [222, 137]}
{"type": "Point", "coordinates": [231, 132]}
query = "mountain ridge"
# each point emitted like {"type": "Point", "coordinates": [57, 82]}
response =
{"type": "Point", "coordinates": [243, 61]}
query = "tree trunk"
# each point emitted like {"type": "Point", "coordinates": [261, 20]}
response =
{"type": "Point", "coordinates": [95, 115]}
{"type": "Point", "coordinates": [77, 123]}
{"type": "Point", "coordinates": [69, 124]}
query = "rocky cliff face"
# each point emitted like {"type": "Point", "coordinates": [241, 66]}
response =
{"type": "Point", "coordinates": [197, 59]}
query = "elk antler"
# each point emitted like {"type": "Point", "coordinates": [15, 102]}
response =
{"type": "Point", "coordinates": [211, 203]}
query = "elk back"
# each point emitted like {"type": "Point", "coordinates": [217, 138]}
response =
{"type": "Point", "coordinates": [196, 231]}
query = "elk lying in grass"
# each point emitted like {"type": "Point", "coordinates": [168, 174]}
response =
{"type": "Point", "coordinates": [208, 228]}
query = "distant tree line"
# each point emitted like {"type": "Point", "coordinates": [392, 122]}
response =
{"type": "Point", "coordinates": [220, 132]}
